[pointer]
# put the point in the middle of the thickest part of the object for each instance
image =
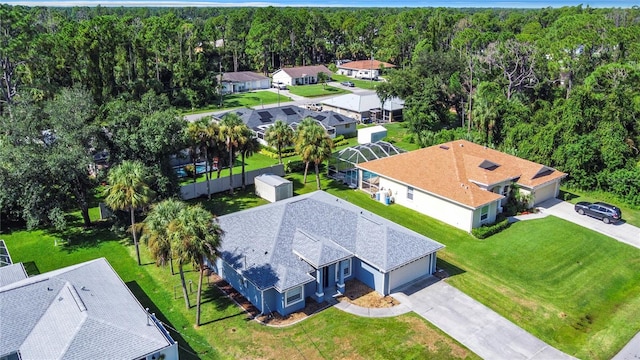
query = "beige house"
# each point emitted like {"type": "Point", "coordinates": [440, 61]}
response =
{"type": "Point", "coordinates": [363, 69]}
{"type": "Point", "coordinates": [460, 183]}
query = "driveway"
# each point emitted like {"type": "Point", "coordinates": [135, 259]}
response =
{"type": "Point", "coordinates": [621, 231]}
{"type": "Point", "coordinates": [474, 325]}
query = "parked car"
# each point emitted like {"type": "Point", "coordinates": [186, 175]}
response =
{"type": "Point", "coordinates": [347, 83]}
{"type": "Point", "coordinates": [279, 85]}
{"type": "Point", "coordinates": [606, 212]}
{"type": "Point", "coordinates": [314, 107]}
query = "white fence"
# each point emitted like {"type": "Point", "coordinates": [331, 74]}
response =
{"type": "Point", "coordinates": [198, 189]}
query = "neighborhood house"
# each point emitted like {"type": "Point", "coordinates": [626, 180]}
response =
{"type": "Point", "coordinates": [82, 311]}
{"type": "Point", "coordinates": [461, 183]}
{"type": "Point", "coordinates": [260, 120]}
{"type": "Point", "coordinates": [363, 69]}
{"type": "Point", "coordinates": [366, 107]}
{"type": "Point", "coordinates": [301, 75]}
{"type": "Point", "coordinates": [241, 81]}
{"type": "Point", "coordinates": [308, 246]}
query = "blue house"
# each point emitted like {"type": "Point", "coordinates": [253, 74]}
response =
{"type": "Point", "coordinates": [308, 246]}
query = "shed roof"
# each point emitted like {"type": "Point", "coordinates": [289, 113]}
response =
{"type": "Point", "coordinates": [266, 244]}
{"type": "Point", "coordinates": [83, 311]}
{"type": "Point", "coordinates": [272, 179]}
{"type": "Point", "coordinates": [454, 170]}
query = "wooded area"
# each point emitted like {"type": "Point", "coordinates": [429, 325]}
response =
{"type": "Point", "coordinates": [556, 86]}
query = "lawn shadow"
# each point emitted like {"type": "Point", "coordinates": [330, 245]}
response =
{"type": "Point", "coordinates": [449, 268]}
{"type": "Point", "coordinates": [185, 350]}
{"type": "Point", "coordinates": [76, 238]}
{"type": "Point", "coordinates": [567, 196]}
{"type": "Point", "coordinates": [31, 268]}
{"type": "Point", "coordinates": [223, 203]}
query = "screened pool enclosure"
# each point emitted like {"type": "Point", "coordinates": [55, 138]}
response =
{"type": "Point", "coordinates": [342, 166]}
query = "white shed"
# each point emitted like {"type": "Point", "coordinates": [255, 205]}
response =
{"type": "Point", "coordinates": [273, 187]}
{"type": "Point", "coordinates": [371, 134]}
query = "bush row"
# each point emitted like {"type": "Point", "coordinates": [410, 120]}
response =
{"type": "Point", "coordinates": [485, 231]}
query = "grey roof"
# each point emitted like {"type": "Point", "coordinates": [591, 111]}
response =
{"type": "Point", "coordinates": [363, 102]}
{"type": "Point", "coordinates": [274, 245]}
{"type": "Point", "coordinates": [78, 312]}
{"type": "Point", "coordinates": [242, 76]}
{"type": "Point", "coordinates": [12, 273]}
{"type": "Point", "coordinates": [260, 119]}
{"type": "Point", "coordinates": [5, 257]}
{"type": "Point", "coordinates": [272, 179]}
{"type": "Point", "coordinates": [300, 71]}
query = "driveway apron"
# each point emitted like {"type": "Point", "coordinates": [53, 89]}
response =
{"type": "Point", "coordinates": [479, 328]}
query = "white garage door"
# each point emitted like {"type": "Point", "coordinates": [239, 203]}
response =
{"type": "Point", "coordinates": [411, 271]}
{"type": "Point", "coordinates": [545, 193]}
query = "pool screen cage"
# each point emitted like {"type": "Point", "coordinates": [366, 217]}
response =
{"type": "Point", "coordinates": [342, 165]}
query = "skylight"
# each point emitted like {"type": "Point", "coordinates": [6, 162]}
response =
{"type": "Point", "coordinates": [489, 165]}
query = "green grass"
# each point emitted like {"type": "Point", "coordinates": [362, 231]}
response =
{"type": "Point", "coordinates": [629, 214]}
{"type": "Point", "coordinates": [363, 84]}
{"type": "Point", "coordinates": [315, 90]}
{"type": "Point", "coordinates": [246, 99]}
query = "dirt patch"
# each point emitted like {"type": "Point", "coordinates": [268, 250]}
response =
{"type": "Point", "coordinates": [234, 295]}
{"type": "Point", "coordinates": [360, 294]}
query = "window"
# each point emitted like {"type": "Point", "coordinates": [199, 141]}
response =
{"type": "Point", "coordinates": [409, 193]}
{"type": "Point", "coordinates": [484, 213]}
{"type": "Point", "coordinates": [346, 126]}
{"type": "Point", "coordinates": [293, 296]}
{"type": "Point", "coordinates": [346, 270]}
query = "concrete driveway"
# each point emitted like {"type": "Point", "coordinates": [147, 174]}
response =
{"type": "Point", "coordinates": [477, 327]}
{"type": "Point", "coordinates": [621, 231]}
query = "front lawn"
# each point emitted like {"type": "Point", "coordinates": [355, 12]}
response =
{"type": "Point", "coordinates": [315, 90]}
{"type": "Point", "coordinates": [245, 99]}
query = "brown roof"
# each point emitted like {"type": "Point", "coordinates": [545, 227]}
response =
{"type": "Point", "coordinates": [365, 65]}
{"type": "Point", "coordinates": [300, 71]}
{"type": "Point", "coordinates": [242, 76]}
{"type": "Point", "coordinates": [452, 170]}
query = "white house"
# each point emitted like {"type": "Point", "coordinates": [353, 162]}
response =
{"type": "Point", "coordinates": [301, 75]}
{"type": "Point", "coordinates": [241, 81]}
{"type": "Point", "coordinates": [365, 107]}
{"type": "Point", "coordinates": [460, 183]}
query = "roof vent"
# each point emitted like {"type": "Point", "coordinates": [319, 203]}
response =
{"type": "Point", "coordinates": [461, 145]}
{"type": "Point", "coordinates": [444, 147]}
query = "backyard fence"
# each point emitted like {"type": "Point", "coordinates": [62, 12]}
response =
{"type": "Point", "coordinates": [194, 190]}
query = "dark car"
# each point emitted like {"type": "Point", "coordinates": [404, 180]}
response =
{"type": "Point", "coordinates": [606, 212]}
{"type": "Point", "coordinates": [347, 83]}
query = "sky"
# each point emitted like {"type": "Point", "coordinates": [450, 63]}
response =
{"type": "Point", "coordinates": [334, 3]}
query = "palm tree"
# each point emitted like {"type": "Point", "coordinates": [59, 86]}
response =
{"type": "Point", "coordinates": [231, 131]}
{"type": "Point", "coordinates": [315, 146]}
{"type": "Point", "coordinates": [154, 230]}
{"type": "Point", "coordinates": [248, 146]}
{"type": "Point", "coordinates": [195, 235]}
{"type": "Point", "coordinates": [127, 189]}
{"type": "Point", "coordinates": [279, 135]}
{"type": "Point", "coordinates": [304, 142]}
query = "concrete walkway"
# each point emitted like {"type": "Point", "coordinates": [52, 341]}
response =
{"type": "Point", "coordinates": [474, 325]}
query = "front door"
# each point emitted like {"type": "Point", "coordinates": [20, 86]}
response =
{"type": "Point", "coordinates": [325, 277]}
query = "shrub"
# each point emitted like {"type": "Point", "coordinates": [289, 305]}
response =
{"type": "Point", "coordinates": [485, 231]}
{"type": "Point", "coordinates": [189, 170]}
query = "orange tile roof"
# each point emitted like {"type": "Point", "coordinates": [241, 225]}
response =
{"type": "Point", "coordinates": [453, 170]}
{"type": "Point", "coordinates": [365, 65]}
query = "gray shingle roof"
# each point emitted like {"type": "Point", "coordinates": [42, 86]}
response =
{"type": "Point", "coordinates": [300, 71]}
{"type": "Point", "coordinates": [242, 76]}
{"type": "Point", "coordinates": [79, 312]}
{"type": "Point", "coordinates": [267, 243]}
{"type": "Point", "coordinates": [12, 273]}
{"type": "Point", "coordinates": [258, 119]}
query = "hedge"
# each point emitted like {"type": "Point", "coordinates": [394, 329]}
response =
{"type": "Point", "coordinates": [485, 231]}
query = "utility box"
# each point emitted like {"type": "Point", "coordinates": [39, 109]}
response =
{"type": "Point", "coordinates": [371, 134]}
{"type": "Point", "coordinates": [273, 187]}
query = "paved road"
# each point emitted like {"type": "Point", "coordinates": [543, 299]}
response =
{"type": "Point", "coordinates": [295, 100]}
{"type": "Point", "coordinates": [621, 231]}
{"type": "Point", "coordinates": [477, 327]}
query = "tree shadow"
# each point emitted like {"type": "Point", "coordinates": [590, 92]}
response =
{"type": "Point", "coordinates": [567, 196]}
{"type": "Point", "coordinates": [76, 238]}
{"type": "Point", "coordinates": [185, 349]}
{"type": "Point", "coordinates": [223, 203]}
